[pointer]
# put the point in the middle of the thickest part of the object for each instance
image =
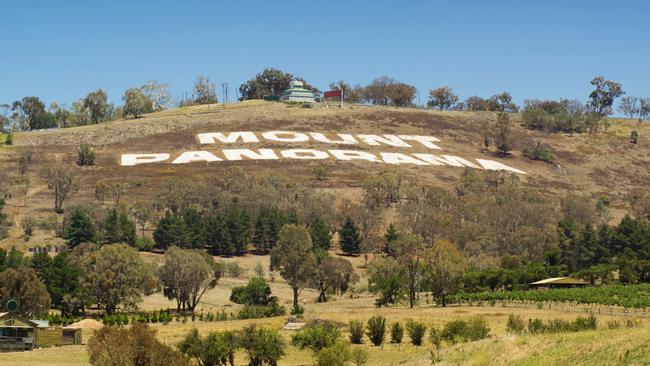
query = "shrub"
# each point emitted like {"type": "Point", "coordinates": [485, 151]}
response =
{"type": "Point", "coordinates": [256, 292]}
{"type": "Point", "coordinates": [356, 332]}
{"type": "Point", "coordinates": [396, 333]}
{"type": "Point", "coordinates": [376, 329]}
{"type": "Point", "coordinates": [454, 330]}
{"type": "Point", "coordinates": [359, 357]}
{"type": "Point", "coordinates": [415, 331]}
{"type": "Point", "coordinates": [232, 269]}
{"type": "Point", "coordinates": [263, 345]}
{"type": "Point", "coordinates": [217, 348]}
{"type": "Point", "coordinates": [317, 336]}
{"type": "Point", "coordinates": [535, 326]}
{"type": "Point", "coordinates": [86, 154]}
{"type": "Point", "coordinates": [28, 224]}
{"type": "Point", "coordinates": [515, 324]}
{"type": "Point", "coordinates": [477, 329]}
{"type": "Point", "coordinates": [9, 139]}
{"type": "Point", "coordinates": [144, 243]}
{"type": "Point", "coordinates": [581, 323]}
{"type": "Point", "coordinates": [436, 336]}
{"type": "Point", "coordinates": [297, 310]}
{"type": "Point", "coordinates": [136, 345]}
{"type": "Point", "coordinates": [261, 311]}
{"type": "Point", "coordinates": [634, 136]}
{"type": "Point", "coordinates": [535, 150]}
{"type": "Point", "coordinates": [335, 355]}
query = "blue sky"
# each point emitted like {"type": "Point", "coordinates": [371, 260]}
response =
{"type": "Point", "coordinates": [60, 51]}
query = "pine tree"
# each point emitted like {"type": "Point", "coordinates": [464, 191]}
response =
{"type": "Point", "coordinates": [320, 234]}
{"type": "Point", "coordinates": [350, 238]}
{"type": "Point", "coordinates": [238, 223]}
{"type": "Point", "coordinates": [391, 236]}
{"type": "Point", "coordinates": [119, 228]}
{"type": "Point", "coordinates": [80, 229]}
{"type": "Point", "coordinates": [217, 236]}
{"type": "Point", "coordinates": [170, 231]}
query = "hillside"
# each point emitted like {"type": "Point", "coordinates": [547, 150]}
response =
{"type": "Point", "coordinates": [602, 164]}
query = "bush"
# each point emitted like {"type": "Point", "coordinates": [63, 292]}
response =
{"type": "Point", "coordinates": [217, 348]}
{"type": "Point", "coordinates": [634, 136]}
{"type": "Point", "coordinates": [376, 329]}
{"type": "Point", "coordinates": [415, 331]}
{"type": "Point", "coordinates": [261, 311]}
{"type": "Point", "coordinates": [477, 329]}
{"type": "Point", "coordinates": [317, 336]}
{"type": "Point", "coordinates": [86, 154]}
{"type": "Point", "coordinates": [396, 333]}
{"type": "Point", "coordinates": [535, 150]}
{"type": "Point", "coordinates": [359, 357]}
{"type": "Point", "coordinates": [335, 355]}
{"type": "Point", "coordinates": [263, 345]}
{"type": "Point", "coordinates": [436, 336]}
{"type": "Point", "coordinates": [9, 138]}
{"type": "Point", "coordinates": [515, 324]}
{"type": "Point", "coordinates": [454, 330]}
{"type": "Point", "coordinates": [232, 269]}
{"type": "Point", "coordinates": [256, 292]}
{"type": "Point", "coordinates": [535, 326]}
{"type": "Point", "coordinates": [297, 310]}
{"type": "Point", "coordinates": [356, 332]}
{"type": "Point", "coordinates": [136, 345]}
{"type": "Point", "coordinates": [144, 243]}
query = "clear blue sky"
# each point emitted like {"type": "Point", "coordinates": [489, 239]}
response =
{"type": "Point", "coordinates": [60, 51]}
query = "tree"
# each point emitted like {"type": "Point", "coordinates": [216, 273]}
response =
{"type": "Point", "coordinates": [136, 103]}
{"type": "Point", "coordinates": [502, 103]}
{"type": "Point", "coordinates": [401, 94]}
{"type": "Point", "coordinates": [630, 106]}
{"type": "Point", "coordinates": [96, 103]}
{"type": "Point", "coordinates": [391, 235]}
{"type": "Point", "coordinates": [135, 345]}
{"type": "Point", "coordinates": [217, 236]}
{"type": "Point", "coordinates": [320, 233]}
{"type": "Point", "coordinates": [387, 278]}
{"type": "Point", "coordinates": [238, 224]}
{"type": "Point", "coordinates": [264, 346]}
{"type": "Point", "coordinates": [118, 227]}
{"type": "Point", "coordinates": [445, 266]}
{"type": "Point", "coordinates": [79, 229]}
{"type": "Point", "coordinates": [61, 181]}
{"type": "Point", "coordinates": [204, 91]}
{"type": "Point", "coordinates": [338, 354]}
{"type": "Point", "coordinates": [316, 336]}
{"type": "Point", "coordinates": [503, 143]}
{"type": "Point", "coordinates": [24, 161]}
{"type": "Point", "coordinates": [256, 292]}
{"type": "Point", "coordinates": [270, 82]}
{"type": "Point", "coordinates": [267, 227]}
{"type": "Point", "coordinates": [22, 284]}
{"type": "Point", "coordinates": [408, 252]}
{"type": "Point", "coordinates": [158, 94]}
{"type": "Point", "coordinates": [86, 154]}
{"type": "Point", "coordinates": [142, 212]}
{"type": "Point", "coordinates": [644, 108]}
{"type": "Point", "coordinates": [350, 238]}
{"type": "Point", "coordinates": [293, 256]}
{"type": "Point", "coordinates": [215, 349]}
{"type": "Point", "coordinates": [30, 114]}
{"type": "Point", "coordinates": [61, 278]}
{"type": "Point", "coordinates": [115, 275]}
{"type": "Point", "coordinates": [186, 275]}
{"type": "Point", "coordinates": [603, 96]}
{"type": "Point", "coordinates": [336, 274]}
{"type": "Point", "coordinates": [442, 98]}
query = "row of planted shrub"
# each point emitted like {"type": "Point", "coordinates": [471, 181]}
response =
{"type": "Point", "coordinates": [455, 331]}
{"type": "Point", "coordinates": [165, 316]}
{"type": "Point", "coordinates": [536, 326]}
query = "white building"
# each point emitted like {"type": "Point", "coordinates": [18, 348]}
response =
{"type": "Point", "coordinates": [297, 93]}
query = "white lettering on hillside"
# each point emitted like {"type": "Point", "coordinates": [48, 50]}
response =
{"type": "Point", "coordinates": [419, 159]}
{"type": "Point", "coordinates": [239, 154]}
{"type": "Point", "coordinates": [135, 159]}
{"type": "Point", "coordinates": [212, 137]}
{"type": "Point", "coordinates": [192, 156]}
{"type": "Point", "coordinates": [391, 140]}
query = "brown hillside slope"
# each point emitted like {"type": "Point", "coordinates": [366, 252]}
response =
{"type": "Point", "coordinates": [605, 163]}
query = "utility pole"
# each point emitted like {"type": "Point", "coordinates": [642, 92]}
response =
{"type": "Point", "coordinates": [224, 86]}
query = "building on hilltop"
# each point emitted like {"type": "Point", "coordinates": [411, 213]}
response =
{"type": "Point", "coordinates": [297, 93]}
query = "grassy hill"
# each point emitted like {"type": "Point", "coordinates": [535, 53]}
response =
{"type": "Point", "coordinates": [595, 165]}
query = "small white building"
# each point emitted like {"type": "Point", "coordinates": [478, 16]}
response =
{"type": "Point", "coordinates": [297, 93]}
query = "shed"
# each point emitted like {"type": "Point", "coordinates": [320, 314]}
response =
{"type": "Point", "coordinates": [18, 333]}
{"type": "Point", "coordinates": [558, 282]}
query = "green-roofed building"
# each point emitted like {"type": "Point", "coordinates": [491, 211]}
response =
{"type": "Point", "coordinates": [297, 93]}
